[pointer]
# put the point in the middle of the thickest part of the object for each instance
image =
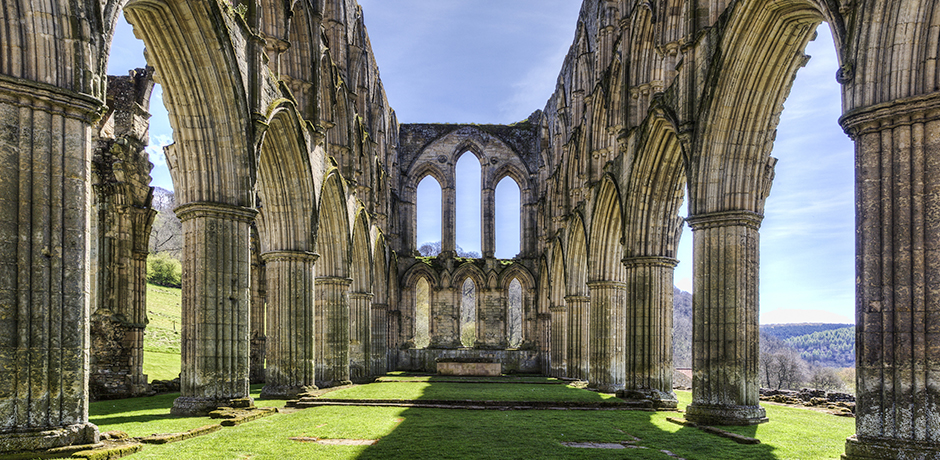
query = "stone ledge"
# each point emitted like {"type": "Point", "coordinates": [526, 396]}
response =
{"type": "Point", "coordinates": [740, 439]}
{"type": "Point", "coordinates": [173, 437]}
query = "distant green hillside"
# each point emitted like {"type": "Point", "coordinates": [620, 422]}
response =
{"type": "Point", "coordinates": [832, 348]}
{"type": "Point", "coordinates": [786, 331]}
{"type": "Point", "coordinates": [162, 336]}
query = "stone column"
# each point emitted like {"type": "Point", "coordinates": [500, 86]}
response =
{"type": "Point", "coordinates": [559, 349]}
{"type": "Point", "coordinates": [215, 325]}
{"type": "Point", "coordinates": [258, 300]}
{"type": "Point", "coordinates": [545, 342]}
{"type": "Point", "coordinates": [608, 328]}
{"type": "Point", "coordinates": [725, 336]}
{"type": "Point", "coordinates": [380, 344]}
{"type": "Point", "coordinates": [289, 343]}
{"type": "Point", "coordinates": [360, 336]}
{"type": "Point", "coordinates": [394, 337]}
{"type": "Point", "coordinates": [332, 331]}
{"type": "Point", "coordinates": [45, 152]}
{"type": "Point", "coordinates": [897, 173]}
{"type": "Point", "coordinates": [579, 343]}
{"type": "Point", "coordinates": [488, 224]}
{"type": "Point", "coordinates": [448, 220]}
{"type": "Point", "coordinates": [528, 244]}
{"type": "Point", "coordinates": [408, 219]}
{"type": "Point", "coordinates": [649, 366]}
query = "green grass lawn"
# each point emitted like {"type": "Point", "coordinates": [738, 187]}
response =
{"type": "Point", "coordinates": [413, 433]}
{"type": "Point", "coordinates": [469, 391]}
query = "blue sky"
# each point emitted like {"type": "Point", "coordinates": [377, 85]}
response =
{"type": "Point", "coordinates": [493, 61]}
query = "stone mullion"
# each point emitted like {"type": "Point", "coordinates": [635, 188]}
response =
{"type": "Point", "coordinates": [649, 366]}
{"type": "Point", "coordinates": [332, 331]}
{"type": "Point", "coordinates": [215, 326]}
{"type": "Point", "coordinates": [448, 219]}
{"type": "Point", "coordinates": [608, 314]}
{"type": "Point", "coordinates": [360, 335]}
{"type": "Point", "coordinates": [44, 262]}
{"type": "Point", "coordinates": [897, 259]}
{"type": "Point", "coordinates": [289, 344]}
{"type": "Point", "coordinates": [488, 224]}
{"type": "Point", "coordinates": [578, 336]}
{"type": "Point", "coordinates": [725, 338]}
{"type": "Point", "coordinates": [380, 344]}
{"type": "Point", "coordinates": [559, 338]}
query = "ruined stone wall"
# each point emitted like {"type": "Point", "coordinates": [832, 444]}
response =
{"type": "Point", "coordinates": [123, 217]}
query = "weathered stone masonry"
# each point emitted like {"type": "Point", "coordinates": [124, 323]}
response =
{"type": "Point", "coordinates": [281, 125]}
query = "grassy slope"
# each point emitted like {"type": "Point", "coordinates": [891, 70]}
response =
{"type": "Point", "coordinates": [439, 433]}
{"type": "Point", "coordinates": [162, 339]}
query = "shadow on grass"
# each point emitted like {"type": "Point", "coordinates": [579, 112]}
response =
{"type": "Point", "coordinates": [493, 434]}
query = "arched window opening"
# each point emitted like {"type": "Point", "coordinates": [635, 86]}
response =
{"type": "Point", "coordinates": [422, 314]}
{"type": "Point", "coordinates": [515, 314]}
{"type": "Point", "coordinates": [468, 313]}
{"type": "Point", "coordinates": [468, 206]}
{"type": "Point", "coordinates": [508, 219]}
{"type": "Point", "coordinates": [428, 217]}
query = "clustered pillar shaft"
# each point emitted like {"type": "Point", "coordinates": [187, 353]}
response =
{"type": "Point", "coordinates": [360, 340]}
{"type": "Point", "coordinates": [608, 321]}
{"type": "Point", "coordinates": [897, 297]}
{"type": "Point", "coordinates": [289, 346]}
{"type": "Point", "coordinates": [725, 336]}
{"type": "Point", "coordinates": [579, 308]}
{"type": "Point", "coordinates": [215, 327]}
{"type": "Point", "coordinates": [559, 338]}
{"type": "Point", "coordinates": [45, 150]}
{"type": "Point", "coordinates": [649, 367]}
{"type": "Point", "coordinates": [258, 311]}
{"type": "Point", "coordinates": [380, 346]}
{"type": "Point", "coordinates": [332, 331]}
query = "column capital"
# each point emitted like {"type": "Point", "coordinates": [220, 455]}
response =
{"type": "Point", "coordinates": [380, 306]}
{"type": "Point", "coordinates": [601, 284]}
{"type": "Point", "coordinates": [219, 210]}
{"type": "Point", "coordinates": [303, 256]}
{"type": "Point", "coordinates": [889, 115]}
{"type": "Point", "coordinates": [50, 98]}
{"type": "Point", "coordinates": [334, 280]}
{"type": "Point", "coordinates": [577, 298]}
{"type": "Point", "coordinates": [655, 261]}
{"type": "Point", "coordinates": [725, 219]}
{"type": "Point", "coordinates": [557, 308]}
{"type": "Point", "coordinates": [361, 295]}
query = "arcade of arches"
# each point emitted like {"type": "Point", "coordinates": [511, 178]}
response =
{"type": "Point", "coordinates": [297, 189]}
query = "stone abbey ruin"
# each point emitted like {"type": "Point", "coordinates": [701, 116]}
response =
{"type": "Point", "coordinates": [297, 191]}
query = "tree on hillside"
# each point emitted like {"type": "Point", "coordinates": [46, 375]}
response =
{"type": "Point", "coordinates": [780, 365]}
{"type": "Point", "coordinates": [166, 235]}
{"type": "Point", "coordinates": [825, 378]}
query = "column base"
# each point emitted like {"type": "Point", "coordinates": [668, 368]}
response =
{"type": "Point", "coordinates": [45, 439]}
{"type": "Point", "coordinates": [186, 406]}
{"type": "Point", "coordinates": [285, 392]}
{"type": "Point", "coordinates": [660, 400]}
{"type": "Point", "coordinates": [725, 415]}
{"type": "Point", "coordinates": [333, 383]}
{"type": "Point", "coordinates": [864, 449]}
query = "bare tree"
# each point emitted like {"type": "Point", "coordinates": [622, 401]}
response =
{"type": "Point", "coordinates": [825, 378]}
